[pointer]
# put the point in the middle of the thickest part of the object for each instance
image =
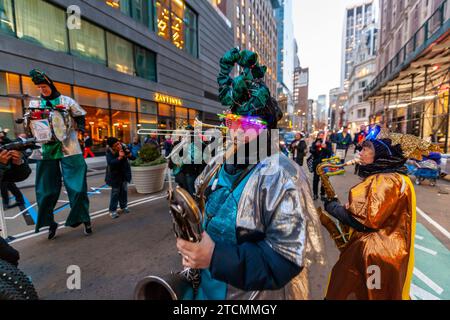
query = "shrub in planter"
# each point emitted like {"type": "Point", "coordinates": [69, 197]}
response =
{"type": "Point", "coordinates": [148, 170]}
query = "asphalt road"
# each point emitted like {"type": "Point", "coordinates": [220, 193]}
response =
{"type": "Point", "coordinates": [123, 251]}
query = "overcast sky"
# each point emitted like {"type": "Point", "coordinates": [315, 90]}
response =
{"type": "Point", "coordinates": [318, 26]}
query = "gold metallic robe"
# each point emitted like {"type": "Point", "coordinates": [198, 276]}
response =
{"type": "Point", "coordinates": [387, 204]}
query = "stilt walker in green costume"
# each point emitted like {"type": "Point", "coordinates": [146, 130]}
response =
{"type": "Point", "coordinates": [60, 158]}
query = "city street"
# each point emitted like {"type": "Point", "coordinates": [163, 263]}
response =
{"type": "Point", "coordinates": [122, 251]}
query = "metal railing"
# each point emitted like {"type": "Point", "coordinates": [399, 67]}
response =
{"type": "Point", "coordinates": [418, 42]}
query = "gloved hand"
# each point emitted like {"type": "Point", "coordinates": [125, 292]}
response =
{"type": "Point", "coordinates": [81, 123]}
{"type": "Point", "coordinates": [327, 203]}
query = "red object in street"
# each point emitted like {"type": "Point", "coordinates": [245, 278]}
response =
{"type": "Point", "coordinates": [88, 152]}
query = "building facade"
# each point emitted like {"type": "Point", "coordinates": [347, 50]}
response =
{"type": "Point", "coordinates": [321, 113]}
{"type": "Point", "coordinates": [357, 17]}
{"type": "Point", "coordinates": [286, 59]}
{"type": "Point", "coordinates": [301, 93]}
{"type": "Point", "coordinates": [131, 64]}
{"type": "Point", "coordinates": [337, 109]}
{"type": "Point", "coordinates": [410, 92]}
{"type": "Point", "coordinates": [287, 47]}
{"type": "Point", "coordinates": [363, 72]}
{"type": "Point", "coordinates": [255, 29]}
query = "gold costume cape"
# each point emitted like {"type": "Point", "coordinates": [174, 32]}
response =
{"type": "Point", "coordinates": [387, 204]}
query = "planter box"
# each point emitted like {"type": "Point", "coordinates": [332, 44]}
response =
{"type": "Point", "coordinates": [149, 179]}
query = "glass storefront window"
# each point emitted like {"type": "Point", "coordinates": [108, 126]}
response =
{"type": "Point", "coordinates": [41, 23]}
{"type": "Point", "coordinates": [91, 98]}
{"type": "Point", "coordinates": [10, 110]}
{"type": "Point", "coordinates": [193, 114]}
{"type": "Point", "coordinates": [145, 64]}
{"type": "Point", "coordinates": [181, 112]}
{"type": "Point", "coordinates": [30, 88]}
{"type": "Point", "coordinates": [120, 54]}
{"type": "Point", "coordinates": [124, 125]}
{"type": "Point", "coordinates": [64, 89]}
{"type": "Point", "coordinates": [148, 121]}
{"type": "Point", "coordinates": [166, 123]}
{"type": "Point", "coordinates": [98, 126]}
{"type": "Point", "coordinates": [9, 83]}
{"type": "Point", "coordinates": [6, 17]}
{"type": "Point", "coordinates": [123, 117]}
{"type": "Point", "coordinates": [88, 42]}
{"type": "Point", "coordinates": [125, 103]}
{"type": "Point", "coordinates": [147, 107]}
{"type": "Point", "coordinates": [165, 110]}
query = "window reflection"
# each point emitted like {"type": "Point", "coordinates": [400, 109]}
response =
{"type": "Point", "coordinates": [41, 23]}
{"type": "Point", "coordinates": [88, 42]}
{"type": "Point", "coordinates": [30, 88]}
{"type": "Point", "coordinates": [120, 54]}
{"type": "Point", "coordinates": [178, 23]}
{"type": "Point", "coordinates": [98, 126]}
{"type": "Point", "coordinates": [92, 98]}
{"type": "Point", "coordinates": [6, 17]}
{"type": "Point", "coordinates": [163, 18]}
{"type": "Point", "coordinates": [177, 15]}
{"type": "Point", "coordinates": [124, 125]}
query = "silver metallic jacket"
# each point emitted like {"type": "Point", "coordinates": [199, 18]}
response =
{"type": "Point", "coordinates": [277, 201]}
{"type": "Point", "coordinates": [70, 146]}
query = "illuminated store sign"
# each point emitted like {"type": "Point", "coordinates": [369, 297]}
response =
{"type": "Point", "coordinates": [168, 99]}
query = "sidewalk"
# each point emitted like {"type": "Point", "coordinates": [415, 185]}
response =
{"type": "Point", "coordinates": [95, 165]}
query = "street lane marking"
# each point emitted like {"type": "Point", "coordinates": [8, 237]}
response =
{"type": "Point", "coordinates": [419, 237]}
{"type": "Point", "coordinates": [419, 293]}
{"type": "Point", "coordinates": [434, 223]}
{"type": "Point", "coordinates": [429, 251]}
{"type": "Point", "coordinates": [428, 281]}
{"type": "Point", "coordinates": [93, 214]}
{"type": "Point", "coordinates": [97, 214]}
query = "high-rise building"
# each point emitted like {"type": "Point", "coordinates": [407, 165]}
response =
{"type": "Point", "coordinates": [333, 110]}
{"type": "Point", "coordinates": [286, 57]}
{"type": "Point", "coordinates": [321, 113]}
{"type": "Point", "coordinates": [301, 87]}
{"type": "Point", "coordinates": [310, 117]}
{"type": "Point", "coordinates": [286, 44]}
{"type": "Point", "coordinates": [130, 65]}
{"type": "Point", "coordinates": [363, 72]}
{"type": "Point", "coordinates": [254, 29]}
{"type": "Point", "coordinates": [357, 17]}
{"type": "Point", "coordinates": [296, 58]}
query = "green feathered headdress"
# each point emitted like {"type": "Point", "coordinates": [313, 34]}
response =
{"type": "Point", "coordinates": [247, 94]}
{"type": "Point", "coordinates": [39, 77]}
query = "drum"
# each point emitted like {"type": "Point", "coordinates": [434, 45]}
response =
{"type": "Point", "coordinates": [59, 124]}
{"type": "Point", "coordinates": [47, 125]}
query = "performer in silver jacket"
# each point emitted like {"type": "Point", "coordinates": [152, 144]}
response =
{"type": "Point", "coordinates": [262, 236]}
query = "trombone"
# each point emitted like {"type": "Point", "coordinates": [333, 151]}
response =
{"type": "Point", "coordinates": [199, 128]}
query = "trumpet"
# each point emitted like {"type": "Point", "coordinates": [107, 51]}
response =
{"type": "Point", "coordinates": [340, 233]}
